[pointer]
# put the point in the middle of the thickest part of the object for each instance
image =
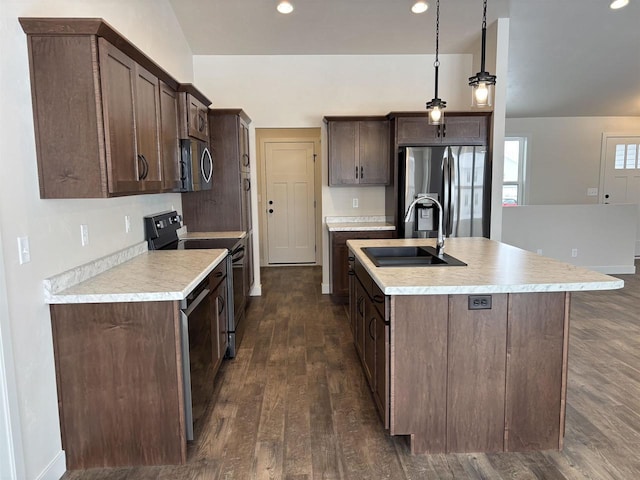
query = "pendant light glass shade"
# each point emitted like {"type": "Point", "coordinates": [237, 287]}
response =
{"type": "Point", "coordinates": [285, 7]}
{"type": "Point", "coordinates": [616, 4]}
{"type": "Point", "coordinates": [482, 82]}
{"type": "Point", "coordinates": [436, 106]}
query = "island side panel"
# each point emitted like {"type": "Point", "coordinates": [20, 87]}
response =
{"type": "Point", "coordinates": [537, 334]}
{"type": "Point", "coordinates": [419, 370]}
{"type": "Point", "coordinates": [119, 383]}
{"type": "Point", "coordinates": [476, 384]}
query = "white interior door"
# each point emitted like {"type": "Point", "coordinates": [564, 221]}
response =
{"type": "Point", "coordinates": [622, 174]}
{"type": "Point", "coordinates": [289, 171]}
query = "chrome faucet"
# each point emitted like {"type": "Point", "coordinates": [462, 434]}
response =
{"type": "Point", "coordinates": [419, 199]}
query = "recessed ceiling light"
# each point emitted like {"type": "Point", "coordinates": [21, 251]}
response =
{"type": "Point", "coordinates": [420, 7]}
{"type": "Point", "coordinates": [285, 7]}
{"type": "Point", "coordinates": [616, 4]}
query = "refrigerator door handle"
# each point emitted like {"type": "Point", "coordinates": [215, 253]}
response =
{"type": "Point", "coordinates": [452, 183]}
{"type": "Point", "coordinates": [446, 193]}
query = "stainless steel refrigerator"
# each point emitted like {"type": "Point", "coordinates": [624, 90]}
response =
{"type": "Point", "coordinates": [459, 177]}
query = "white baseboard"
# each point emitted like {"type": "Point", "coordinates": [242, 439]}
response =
{"type": "Point", "coordinates": [326, 288]}
{"type": "Point", "coordinates": [256, 291]}
{"type": "Point", "coordinates": [614, 269]}
{"type": "Point", "coordinates": [55, 469]}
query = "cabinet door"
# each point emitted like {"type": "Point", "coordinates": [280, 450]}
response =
{"type": "Point", "coordinates": [147, 111]}
{"type": "Point", "coordinates": [245, 159]}
{"type": "Point", "coordinates": [343, 153]}
{"type": "Point", "coordinates": [339, 264]}
{"type": "Point", "coordinates": [169, 145]}
{"type": "Point", "coordinates": [197, 119]}
{"type": "Point", "coordinates": [245, 185]}
{"type": "Point", "coordinates": [417, 131]}
{"type": "Point", "coordinates": [222, 321]}
{"type": "Point", "coordinates": [381, 390]}
{"type": "Point", "coordinates": [360, 306]}
{"type": "Point", "coordinates": [476, 375]}
{"type": "Point", "coordinates": [374, 154]}
{"type": "Point", "coordinates": [118, 76]}
{"type": "Point", "coordinates": [369, 342]}
{"type": "Point", "coordinates": [470, 130]}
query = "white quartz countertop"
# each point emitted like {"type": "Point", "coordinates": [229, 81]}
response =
{"type": "Point", "coordinates": [160, 275]}
{"type": "Point", "coordinates": [492, 267]}
{"type": "Point", "coordinates": [358, 224]}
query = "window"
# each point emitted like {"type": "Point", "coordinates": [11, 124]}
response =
{"type": "Point", "coordinates": [515, 149]}
{"type": "Point", "coordinates": [627, 156]}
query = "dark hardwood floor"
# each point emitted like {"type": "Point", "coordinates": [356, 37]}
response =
{"type": "Point", "coordinates": [294, 404]}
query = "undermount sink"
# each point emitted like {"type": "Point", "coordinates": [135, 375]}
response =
{"type": "Point", "coordinates": [410, 257]}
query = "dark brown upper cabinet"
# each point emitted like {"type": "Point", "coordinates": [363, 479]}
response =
{"type": "Point", "coordinates": [465, 129]}
{"type": "Point", "coordinates": [359, 151]}
{"type": "Point", "coordinates": [105, 114]}
{"type": "Point", "coordinates": [194, 109]}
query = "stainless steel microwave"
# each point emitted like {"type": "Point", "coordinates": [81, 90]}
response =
{"type": "Point", "coordinates": [196, 166]}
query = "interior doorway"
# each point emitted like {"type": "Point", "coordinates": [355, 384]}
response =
{"type": "Point", "coordinates": [620, 173]}
{"type": "Point", "coordinates": [289, 195]}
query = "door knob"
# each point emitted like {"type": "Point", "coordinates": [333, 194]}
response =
{"type": "Point", "coordinates": [270, 202]}
{"type": "Point", "coordinates": [271, 210]}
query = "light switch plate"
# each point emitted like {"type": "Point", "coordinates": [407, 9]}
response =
{"type": "Point", "coordinates": [24, 254]}
{"type": "Point", "coordinates": [355, 203]}
{"type": "Point", "coordinates": [84, 235]}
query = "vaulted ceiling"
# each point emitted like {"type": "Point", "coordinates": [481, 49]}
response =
{"type": "Point", "coordinates": [566, 57]}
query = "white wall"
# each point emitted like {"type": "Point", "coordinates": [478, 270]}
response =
{"type": "Point", "coordinates": [602, 235]}
{"type": "Point", "coordinates": [298, 91]}
{"type": "Point", "coordinates": [53, 225]}
{"type": "Point", "coordinates": [564, 155]}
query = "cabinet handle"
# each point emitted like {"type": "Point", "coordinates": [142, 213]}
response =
{"type": "Point", "coordinates": [146, 167]}
{"type": "Point", "coordinates": [246, 157]}
{"type": "Point", "coordinates": [218, 274]}
{"type": "Point", "coordinates": [444, 130]}
{"type": "Point", "coordinates": [247, 183]}
{"type": "Point", "coordinates": [183, 177]}
{"type": "Point", "coordinates": [220, 304]}
{"type": "Point", "coordinates": [378, 298]}
{"type": "Point", "coordinates": [371, 323]}
{"type": "Point", "coordinates": [361, 172]}
{"type": "Point", "coordinates": [438, 131]}
{"type": "Point", "coordinates": [356, 172]}
{"type": "Point", "coordinates": [200, 122]}
{"type": "Point", "coordinates": [351, 272]}
{"type": "Point", "coordinates": [351, 259]}
{"type": "Point", "coordinates": [359, 306]}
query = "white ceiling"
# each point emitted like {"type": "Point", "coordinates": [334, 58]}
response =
{"type": "Point", "coordinates": [566, 57]}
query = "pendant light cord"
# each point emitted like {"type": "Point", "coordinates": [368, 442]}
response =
{"type": "Point", "coordinates": [436, 64]}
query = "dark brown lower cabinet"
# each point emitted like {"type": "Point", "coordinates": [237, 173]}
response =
{"type": "Point", "coordinates": [119, 379]}
{"type": "Point", "coordinates": [340, 259]}
{"type": "Point", "coordinates": [460, 380]}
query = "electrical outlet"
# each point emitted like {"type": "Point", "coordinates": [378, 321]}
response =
{"type": "Point", "coordinates": [355, 203]}
{"type": "Point", "coordinates": [539, 251]}
{"type": "Point", "coordinates": [127, 224]}
{"type": "Point", "coordinates": [24, 254]}
{"type": "Point", "coordinates": [592, 192]}
{"type": "Point", "coordinates": [84, 235]}
{"type": "Point", "coordinates": [479, 302]}
{"type": "Point", "coordinates": [574, 252]}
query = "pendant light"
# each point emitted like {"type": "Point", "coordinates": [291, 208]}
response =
{"type": "Point", "coordinates": [482, 83]}
{"type": "Point", "coordinates": [285, 7]}
{"type": "Point", "coordinates": [436, 106]}
{"type": "Point", "coordinates": [616, 4]}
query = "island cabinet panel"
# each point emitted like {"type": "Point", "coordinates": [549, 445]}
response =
{"type": "Point", "coordinates": [535, 385]}
{"type": "Point", "coordinates": [476, 375]}
{"type": "Point", "coordinates": [119, 380]}
{"type": "Point", "coordinates": [418, 371]}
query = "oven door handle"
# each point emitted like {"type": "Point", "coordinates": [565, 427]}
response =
{"type": "Point", "coordinates": [193, 305]}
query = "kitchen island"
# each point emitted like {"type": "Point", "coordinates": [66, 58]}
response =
{"type": "Point", "coordinates": [468, 358]}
